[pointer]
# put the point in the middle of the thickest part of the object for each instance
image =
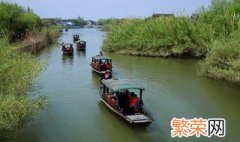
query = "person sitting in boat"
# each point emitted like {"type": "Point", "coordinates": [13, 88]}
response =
{"type": "Point", "coordinates": [133, 99]}
{"type": "Point", "coordinates": [63, 48]}
{"type": "Point", "coordinates": [71, 48]}
{"type": "Point", "coordinates": [107, 75]}
{"type": "Point", "coordinates": [124, 101]}
{"type": "Point", "coordinates": [94, 62]}
{"type": "Point", "coordinates": [101, 65]}
{"type": "Point", "coordinates": [113, 99]}
{"type": "Point", "coordinates": [134, 103]}
{"type": "Point", "coordinates": [107, 65]}
{"type": "Point", "coordinates": [82, 44]}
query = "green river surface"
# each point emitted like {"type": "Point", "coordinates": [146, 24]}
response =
{"type": "Point", "coordinates": [173, 89]}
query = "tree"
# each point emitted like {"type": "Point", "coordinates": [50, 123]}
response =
{"type": "Point", "coordinates": [8, 12]}
{"type": "Point", "coordinates": [105, 21]}
{"type": "Point", "coordinates": [80, 21]}
{"type": "Point", "coordinates": [26, 21]}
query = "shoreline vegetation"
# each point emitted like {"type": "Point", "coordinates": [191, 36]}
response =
{"type": "Point", "coordinates": [22, 33]}
{"type": "Point", "coordinates": [212, 35]}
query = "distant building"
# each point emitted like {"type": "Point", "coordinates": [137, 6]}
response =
{"type": "Point", "coordinates": [91, 23]}
{"type": "Point", "coordinates": [155, 15]}
{"type": "Point", "coordinates": [67, 22]}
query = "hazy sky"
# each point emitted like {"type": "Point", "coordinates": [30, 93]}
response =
{"type": "Point", "coordinates": [96, 9]}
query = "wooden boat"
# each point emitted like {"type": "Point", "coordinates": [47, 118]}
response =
{"type": "Point", "coordinates": [75, 38]}
{"type": "Point", "coordinates": [67, 48]}
{"type": "Point", "coordinates": [119, 96]}
{"type": "Point", "coordinates": [81, 45]}
{"type": "Point", "coordinates": [66, 29]}
{"type": "Point", "coordinates": [101, 64]}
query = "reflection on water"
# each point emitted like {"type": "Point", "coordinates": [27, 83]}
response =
{"type": "Point", "coordinates": [67, 59]}
{"type": "Point", "coordinates": [172, 90]}
{"type": "Point", "coordinates": [82, 54]}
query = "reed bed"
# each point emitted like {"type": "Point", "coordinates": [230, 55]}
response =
{"type": "Point", "coordinates": [213, 35]}
{"type": "Point", "coordinates": [164, 36]}
{"type": "Point", "coordinates": [18, 71]}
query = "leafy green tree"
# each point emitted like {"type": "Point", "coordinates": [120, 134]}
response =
{"type": "Point", "coordinates": [26, 21]}
{"type": "Point", "coordinates": [105, 21]}
{"type": "Point", "coordinates": [80, 21]}
{"type": "Point", "coordinates": [8, 12]}
{"type": "Point", "coordinates": [16, 20]}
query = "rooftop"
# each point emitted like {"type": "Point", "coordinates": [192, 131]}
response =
{"type": "Point", "coordinates": [120, 84]}
{"type": "Point", "coordinates": [101, 57]}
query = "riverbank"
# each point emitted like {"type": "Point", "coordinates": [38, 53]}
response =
{"type": "Point", "coordinates": [213, 34]}
{"type": "Point", "coordinates": [19, 69]}
{"type": "Point", "coordinates": [37, 40]}
{"type": "Point", "coordinates": [22, 32]}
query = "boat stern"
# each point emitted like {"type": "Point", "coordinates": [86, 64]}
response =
{"type": "Point", "coordinates": [139, 119]}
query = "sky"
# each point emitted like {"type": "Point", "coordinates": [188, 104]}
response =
{"type": "Point", "coordinates": [98, 9]}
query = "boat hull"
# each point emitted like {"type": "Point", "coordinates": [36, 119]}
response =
{"type": "Point", "coordinates": [134, 120]}
{"type": "Point", "coordinates": [97, 71]}
{"type": "Point", "coordinates": [81, 48]}
{"type": "Point", "coordinates": [68, 53]}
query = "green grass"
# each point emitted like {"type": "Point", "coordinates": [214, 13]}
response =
{"type": "Point", "coordinates": [165, 36]}
{"type": "Point", "coordinates": [223, 61]}
{"type": "Point", "coordinates": [214, 35]}
{"type": "Point", "coordinates": [18, 71]}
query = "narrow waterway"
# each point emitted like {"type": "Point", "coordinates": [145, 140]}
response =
{"type": "Point", "coordinates": [173, 89]}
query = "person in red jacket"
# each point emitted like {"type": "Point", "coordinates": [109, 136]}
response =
{"type": "Point", "coordinates": [108, 74]}
{"type": "Point", "coordinates": [134, 100]}
{"type": "Point", "coordinates": [107, 66]}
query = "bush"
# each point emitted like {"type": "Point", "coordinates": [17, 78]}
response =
{"type": "Point", "coordinates": [26, 21]}
{"type": "Point", "coordinates": [223, 61]}
{"type": "Point", "coordinates": [164, 36]}
{"type": "Point", "coordinates": [214, 34]}
{"type": "Point", "coordinates": [15, 20]}
{"type": "Point", "coordinates": [17, 73]}
{"type": "Point", "coordinates": [15, 109]}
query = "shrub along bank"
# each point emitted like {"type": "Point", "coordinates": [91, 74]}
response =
{"type": "Point", "coordinates": [166, 36]}
{"type": "Point", "coordinates": [212, 35]}
{"type": "Point", "coordinates": [21, 30]}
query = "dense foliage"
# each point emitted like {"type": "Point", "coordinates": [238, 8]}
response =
{"type": "Point", "coordinates": [167, 36]}
{"type": "Point", "coordinates": [16, 20]}
{"type": "Point", "coordinates": [105, 21]}
{"type": "Point", "coordinates": [19, 69]}
{"type": "Point", "coordinates": [223, 59]}
{"type": "Point", "coordinates": [213, 34]}
{"type": "Point", "coordinates": [80, 21]}
{"type": "Point", "coordinates": [17, 73]}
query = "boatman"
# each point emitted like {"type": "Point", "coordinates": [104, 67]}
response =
{"type": "Point", "coordinates": [107, 75]}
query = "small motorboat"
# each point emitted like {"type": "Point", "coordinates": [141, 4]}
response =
{"type": "Point", "coordinates": [101, 64]}
{"type": "Point", "coordinates": [66, 29]}
{"type": "Point", "coordinates": [67, 48]}
{"type": "Point", "coordinates": [76, 37]}
{"type": "Point", "coordinates": [124, 98]}
{"type": "Point", "coordinates": [81, 45]}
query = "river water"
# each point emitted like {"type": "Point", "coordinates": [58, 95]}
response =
{"type": "Point", "coordinates": [173, 89]}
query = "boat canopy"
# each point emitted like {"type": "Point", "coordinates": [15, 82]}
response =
{"type": "Point", "coordinates": [100, 57]}
{"type": "Point", "coordinates": [66, 43]}
{"type": "Point", "coordinates": [81, 41]}
{"type": "Point", "coordinates": [120, 84]}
